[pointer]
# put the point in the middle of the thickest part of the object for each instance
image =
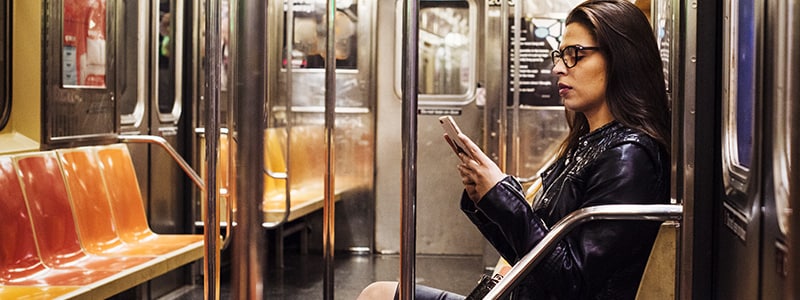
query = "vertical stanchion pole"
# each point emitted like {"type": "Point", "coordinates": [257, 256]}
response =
{"type": "Point", "coordinates": [330, 117]}
{"type": "Point", "coordinates": [408, 218]}
{"type": "Point", "coordinates": [513, 167]}
{"type": "Point", "coordinates": [250, 92]}
{"type": "Point", "coordinates": [792, 94]}
{"type": "Point", "coordinates": [211, 230]}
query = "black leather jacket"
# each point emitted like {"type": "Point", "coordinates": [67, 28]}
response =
{"type": "Point", "coordinates": [600, 259]}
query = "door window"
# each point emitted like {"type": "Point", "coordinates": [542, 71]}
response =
{"type": "Point", "coordinates": [447, 35]}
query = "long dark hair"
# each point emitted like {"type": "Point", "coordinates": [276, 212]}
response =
{"type": "Point", "coordinates": [635, 91]}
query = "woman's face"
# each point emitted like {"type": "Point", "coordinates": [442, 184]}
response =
{"type": "Point", "coordinates": [582, 87]}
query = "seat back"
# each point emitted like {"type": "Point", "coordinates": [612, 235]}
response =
{"type": "Point", "coordinates": [89, 196]}
{"type": "Point", "coordinates": [307, 158]}
{"type": "Point", "coordinates": [226, 185]}
{"type": "Point", "coordinates": [50, 211]}
{"type": "Point", "coordinates": [274, 161]}
{"type": "Point", "coordinates": [127, 204]}
{"type": "Point", "coordinates": [658, 280]}
{"type": "Point", "coordinates": [18, 254]}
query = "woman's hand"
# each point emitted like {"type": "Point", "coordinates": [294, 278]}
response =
{"type": "Point", "coordinates": [479, 173]}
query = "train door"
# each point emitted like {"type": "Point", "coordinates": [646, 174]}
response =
{"type": "Point", "coordinates": [296, 114]}
{"type": "Point", "coordinates": [748, 235]}
{"type": "Point", "coordinates": [524, 120]}
{"type": "Point", "coordinates": [294, 123]}
{"type": "Point", "coordinates": [150, 102]}
{"type": "Point", "coordinates": [532, 123]}
{"type": "Point", "coordinates": [739, 210]}
{"type": "Point", "coordinates": [79, 72]}
{"type": "Point", "coordinates": [780, 90]}
{"type": "Point", "coordinates": [169, 207]}
{"type": "Point", "coordinates": [132, 95]}
{"type": "Point", "coordinates": [449, 66]}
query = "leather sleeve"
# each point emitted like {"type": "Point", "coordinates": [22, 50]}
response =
{"type": "Point", "coordinates": [623, 174]}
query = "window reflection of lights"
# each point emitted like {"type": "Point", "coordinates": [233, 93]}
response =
{"type": "Point", "coordinates": [308, 6]}
{"type": "Point", "coordinates": [455, 40]}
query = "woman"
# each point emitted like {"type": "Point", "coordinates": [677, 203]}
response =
{"type": "Point", "coordinates": [612, 85]}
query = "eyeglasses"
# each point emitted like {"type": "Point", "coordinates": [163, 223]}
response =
{"type": "Point", "coordinates": [569, 55]}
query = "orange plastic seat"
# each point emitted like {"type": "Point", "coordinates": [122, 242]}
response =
{"type": "Point", "coordinates": [306, 169]}
{"type": "Point", "coordinates": [93, 215]}
{"type": "Point", "coordinates": [34, 292]}
{"type": "Point", "coordinates": [127, 206]}
{"type": "Point", "coordinates": [52, 217]}
{"type": "Point", "coordinates": [225, 183]}
{"type": "Point", "coordinates": [19, 260]}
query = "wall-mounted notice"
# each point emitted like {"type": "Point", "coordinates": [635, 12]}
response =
{"type": "Point", "coordinates": [537, 84]}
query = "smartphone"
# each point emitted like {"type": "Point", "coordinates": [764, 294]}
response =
{"type": "Point", "coordinates": [451, 128]}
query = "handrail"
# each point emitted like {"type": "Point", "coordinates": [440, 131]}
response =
{"type": "Point", "coordinates": [287, 207]}
{"type": "Point", "coordinates": [151, 139]}
{"type": "Point", "coordinates": [276, 175]}
{"type": "Point", "coordinates": [647, 212]}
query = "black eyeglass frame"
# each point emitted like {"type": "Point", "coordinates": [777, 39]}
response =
{"type": "Point", "coordinates": [560, 54]}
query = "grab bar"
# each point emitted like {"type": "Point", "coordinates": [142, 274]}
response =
{"type": "Point", "coordinates": [150, 139]}
{"type": "Point", "coordinates": [647, 212]}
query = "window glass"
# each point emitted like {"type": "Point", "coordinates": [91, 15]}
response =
{"type": "Point", "coordinates": [131, 53]}
{"type": "Point", "coordinates": [309, 31]}
{"type": "Point", "coordinates": [84, 44]}
{"type": "Point", "coordinates": [446, 66]}
{"type": "Point", "coordinates": [5, 74]}
{"type": "Point", "coordinates": [166, 63]}
{"type": "Point", "coordinates": [444, 48]}
{"type": "Point", "coordinates": [745, 82]}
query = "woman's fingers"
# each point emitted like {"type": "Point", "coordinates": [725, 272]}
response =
{"type": "Point", "coordinates": [472, 149]}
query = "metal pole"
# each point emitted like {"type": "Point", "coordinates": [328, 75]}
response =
{"type": "Point", "coordinates": [328, 210]}
{"type": "Point", "coordinates": [792, 94]}
{"type": "Point", "coordinates": [211, 225]}
{"type": "Point", "coordinates": [513, 167]}
{"type": "Point", "coordinates": [250, 91]}
{"type": "Point", "coordinates": [690, 57]}
{"type": "Point", "coordinates": [408, 219]}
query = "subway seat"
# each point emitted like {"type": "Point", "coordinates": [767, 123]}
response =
{"type": "Point", "coordinates": [306, 169]}
{"type": "Point", "coordinates": [20, 264]}
{"type": "Point", "coordinates": [77, 228]}
{"type": "Point", "coordinates": [658, 279]}
{"type": "Point", "coordinates": [53, 221]}
{"type": "Point", "coordinates": [127, 203]}
{"type": "Point", "coordinates": [303, 147]}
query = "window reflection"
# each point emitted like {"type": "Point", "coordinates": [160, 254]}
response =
{"type": "Point", "coordinates": [446, 66]}
{"type": "Point", "coordinates": [444, 48]}
{"type": "Point", "coordinates": [132, 50]}
{"type": "Point", "coordinates": [309, 34]}
{"type": "Point", "coordinates": [84, 43]}
{"type": "Point", "coordinates": [166, 87]}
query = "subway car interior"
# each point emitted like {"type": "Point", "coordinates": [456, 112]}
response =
{"type": "Point", "coordinates": [207, 149]}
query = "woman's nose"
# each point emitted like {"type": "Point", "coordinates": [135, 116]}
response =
{"type": "Point", "coordinates": [559, 68]}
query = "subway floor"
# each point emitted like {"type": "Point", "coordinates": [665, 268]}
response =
{"type": "Point", "coordinates": [302, 275]}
